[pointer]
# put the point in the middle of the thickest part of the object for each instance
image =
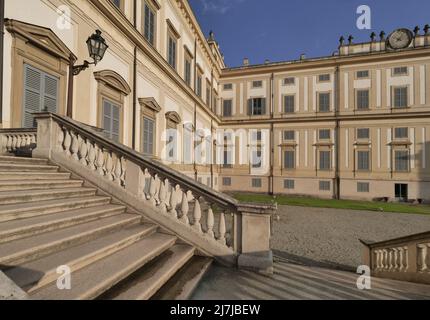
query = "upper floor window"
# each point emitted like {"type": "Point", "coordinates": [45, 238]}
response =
{"type": "Point", "coordinates": [149, 23]}
{"type": "Point", "coordinates": [363, 160]}
{"type": "Point", "coordinates": [289, 104]}
{"type": "Point", "coordinates": [401, 133]}
{"type": "Point", "coordinates": [172, 50]}
{"type": "Point", "coordinates": [257, 84]}
{"type": "Point", "coordinates": [256, 106]}
{"type": "Point", "coordinates": [324, 134]}
{"type": "Point", "coordinates": [199, 85]}
{"type": "Point", "coordinates": [228, 86]}
{"type": "Point", "coordinates": [289, 159]}
{"type": "Point", "coordinates": [289, 81]}
{"type": "Point", "coordinates": [289, 135]}
{"type": "Point", "coordinates": [187, 69]}
{"type": "Point", "coordinates": [208, 93]}
{"type": "Point", "coordinates": [363, 133]}
{"type": "Point", "coordinates": [111, 120]}
{"type": "Point", "coordinates": [325, 161]}
{"type": "Point", "coordinates": [362, 74]}
{"type": "Point", "coordinates": [324, 102]}
{"type": "Point", "coordinates": [401, 160]}
{"type": "Point", "coordinates": [400, 97]}
{"type": "Point", "coordinates": [400, 71]}
{"type": "Point", "coordinates": [227, 108]}
{"type": "Point", "coordinates": [362, 99]}
{"type": "Point", "coordinates": [324, 77]}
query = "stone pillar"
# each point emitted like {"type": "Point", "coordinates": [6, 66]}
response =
{"type": "Point", "coordinates": [253, 233]}
{"type": "Point", "coordinates": [48, 136]}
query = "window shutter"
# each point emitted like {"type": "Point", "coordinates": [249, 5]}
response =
{"type": "Point", "coordinates": [32, 95]}
{"type": "Point", "coordinates": [249, 107]}
{"type": "Point", "coordinates": [263, 106]}
{"type": "Point", "coordinates": [107, 118]}
{"type": "Point", "coordinates": [50, 94]}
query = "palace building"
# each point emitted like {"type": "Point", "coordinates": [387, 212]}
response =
{"type": "Point", "coordinates": [352, 125]}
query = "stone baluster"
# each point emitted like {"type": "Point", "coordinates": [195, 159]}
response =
{"type": "Point", "coordinates": [422, 257]}
{"type": "Point", "coordinates": [100, 161]}
{"type": "Point", "coordinates": [123, 169]}
{"type": "Point", "coordinates": [75, 146]}
{"type": "Point", "coordinates": [33, 139]}
{"type": "Point", "coordinates": [118, 169]}
{"type": "Point", "coordinates": [83, 151]}
{"type": "Point", "coordinates": [210, 222]}
{"type": "Point", "coordinates": [14, 142]}
{"type": "Point", "coordinates": [173, 202]}
{"type": "Point", "coordinates": [23, 140]}
{"type": "Point", "coordinates": [9, 143]}
{"type": "Point", "coordinates": [184, 208]}
{"type": "Point", "coordinates": [197, 215]}
{"type": "Point", "coordinates": [92, 154]}
{"type": "Point", "coordinates": [406, 259]}
{"type": "Point", "coordinates": [67, 141]}
{"type": "Point", "coordinates": [222, 229]}
{"type": "Point", "coordinates": [163, 195]}
{"type": "Point", "coordinates": [108, 164]}
{"type": "Point", "coordinates": [385, 259]}
{"type": "Point", "coordinates": [152, 190]}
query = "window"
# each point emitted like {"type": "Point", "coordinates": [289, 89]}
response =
{"type": "Point", "coordinates": [171, 144]}
{"type": "Point", "coordinates": [289, 104]}
{"type": "Point", "coordinates": [289, 135]}
{"type": "Point", "coordinates": [208, 94]}
{"type": "Point", "coordinates": [199, 84]}
{"type": "Point", "coordinates": [148, 136]}
{"type": "Point", "coordinates": [226, 181]}
{"type": "Point", "coordinates": [171, 53]}
{"type": "Point", "coordinates": [325, 185]}
{"type": "Point", "coordinates": [362, 99]}
{"type": "Point", "coordinates": [227, 108]}
{"type": "Point", "coordinates": [289, 81]}
{"type": "Point", "coordinates": [363, 187]}
{"type": "Point", "coordinates": [256, 158]}
{"type": "Point", "coordinates": [228, 86]}
{"type": "Point", "coordinates": [401, 191]}
{"type": "Point", "coordinates": [401, 160]}
{"type": "Point", "coordinates": [228, 161]}
{"type": "Point", "coordinates": [363, 133]}
{"type": "Point", "coordinates": [256, 136]}
{"type": "Point", "coordinates": [324, 134]}
{"type": "Point", "coordinates": [362, 74]}
{"type": "Point", "coordinates": [324, 77]}
{"type": "Point", "coordinates": [289, 159]}
{"type": "Point", "coordinates": [256, 183]}
{"type": "Point", "coordinates": [289, 184]}
{"type": "Point", "coordinates": [401, 133]}
{"type": "Point", "coordinates": [256, 106]}
{"type": "Point", "coordinates": [400, 97]}
{"type": "Point", "coordinates": [187, 70]}
{"type": "Point", "coordinates": [40, 94]}
{"type": "Point", "coordinates": [111, 120]}
{"type": "Point", "coordinates": [363, 160]}
{"type": "Point", "coordinates": [257, 84]}
{"type": "Point", "coordinates": [149, 24]}
{"type": "Point", "coordinates": [325, 160]}
{"type": "Point", "coordinates": [400, 71]}
{"type": "Point", "coordinates": [324, 102]}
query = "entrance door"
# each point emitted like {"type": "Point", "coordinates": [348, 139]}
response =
{"type": "Point", "coordinates": [401, 191]}
{"type": "Point", "coordinates": [40, 94]}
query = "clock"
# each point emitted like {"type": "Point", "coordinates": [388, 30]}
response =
{"type": "Point", "coordinates": [400, 39]}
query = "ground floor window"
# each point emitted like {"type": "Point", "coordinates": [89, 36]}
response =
{"type": "Point", "coordinates": [256, 183]}
{"type": "Point", "coordinates": [111, 120]}
{"type": "Point", "coordinates": [148, 136]}
{"type": "Point", "coordinates": [226, 181]}
{"type": "Point", "coordinates": [363, 187]}
{"type": "Point", "coordinates": [325, 185]}
{"type": "Point", "coordinates": [401, 191]}
{"type": "Point", "coordinates": [289, 184]}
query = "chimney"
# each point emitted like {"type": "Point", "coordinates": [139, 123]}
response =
{"type": "Point", "coordinates": [245, 62]}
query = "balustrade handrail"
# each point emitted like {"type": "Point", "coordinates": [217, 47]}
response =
{"type": "Point", "coordinates": [18, 130]}
{"type": "Point", "coordinates": [185, 182]}
{"type": "Point", "coordinates": [397, 241]}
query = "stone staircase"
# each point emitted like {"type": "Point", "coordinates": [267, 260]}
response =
{"type": "Point", "coordinates": [50, 219]}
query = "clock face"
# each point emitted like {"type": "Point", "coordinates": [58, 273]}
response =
{"type": "Point", "coordinates": [400, 39]}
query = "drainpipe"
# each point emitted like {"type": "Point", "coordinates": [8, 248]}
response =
{"type": "Point", "coordinates": [212, 156]}
{"type": "Point", "coordinates": [195, 111]}
{"type": "Point", "coordinates": [337, 133]}
{"type": "Point", "coordinates": [272, 137]}
{"type": "Point", "coordinates": [133, 139]}
{"type": "Point", "coordinates": [2, 11]}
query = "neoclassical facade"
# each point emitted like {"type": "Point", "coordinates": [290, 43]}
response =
{"type": "Point", "coordinates": [355, 124]}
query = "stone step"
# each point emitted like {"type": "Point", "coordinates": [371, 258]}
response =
{"type": "Point", "coordinates": [44, 270]}
{"type": "Point", "coordinates": [34, 176]}
{"type": "Point", "coordinates": [12, 197]}
{"type": "Point", "coordinates": [144, 283]}
{"type": "Point", "coordinates": [22, 160]}
{"type": "Point", "coordinates": [18, 229]}
{"type": "Point", "coordinates": [92, 281]}
{"type": "Point", "coordinates": [33, 209]}
{"type": "Point", "coordinates": [17, 185]}
{"type": "Point", "coordinates": [20, 251]}
{"type": "Point", "coordinates": [27, 167]}
{"type": "Point", "coordinates": [183, 284]}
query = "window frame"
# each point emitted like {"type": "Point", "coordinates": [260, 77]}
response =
{"type": "Point", "coordinates": [284, 100]}
{"type": "Point", "coordinates": [320, 160]}
{"type": "Point", "coordinates": [319, 102]}
{"type": "Point", "coordinates": [292, 153]}
{"type": "Point", "coordinates": [324, 139]}
{"type": "Point", "coordinates": [360, 138]}
{"type": "Point", "coordinates": [224, 108]}
{"type": "Point", "coordinates": [396, 137]}
{"type": "Point", "coordinates": [256, 183]}
{"type": "Point", "coordinates": [289, 184]}
{"type": "Point", "coordinates": [358, 107]}
{"type": "Point", "coordinates": [322, 183]}
{"type": "Point", "coordinates": [393, 97]}
{"type": "Point", "coordinates": [254, 86]}
{"type": "Point", "coordinates": [324, 80]}
{"type": "Point", "coordinates": [358, 76]}
{"type": "Point", "coordinates": [365, 190]}
{"type": "Point", "coordinates": [359, 166]}
{"type": "Point", "coordinates": [402, 74]}
{"type": "Point", "coordinates": [154, 10]}
{"type": "Point", "coordinates": [408, 161]}
{"type": "Point", "coordinates": [285, 81]}
{"type": "Point", "coordinates": [262, 106]}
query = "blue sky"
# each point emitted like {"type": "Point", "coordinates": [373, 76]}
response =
{"type": "Point", "coordinates": [281, 30]}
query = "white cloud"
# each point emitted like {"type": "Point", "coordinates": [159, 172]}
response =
{"type": "Point", "coordinates": [219, 6]}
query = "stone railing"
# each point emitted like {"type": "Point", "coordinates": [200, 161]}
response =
{"type": "Point", "coordinates": [406, 258]}
{"type": "Point", "coordinates": [218, 225]}
{"type": "Point", "coordinates": [14, 141]}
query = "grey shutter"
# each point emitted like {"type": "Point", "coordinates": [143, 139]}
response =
{"type": "Point", "coordinates": [249, 107]}
{"type": "Point", "coordinates": [50, 94]}
{"type": "Point", "coordinates": [107, 118]}
{"type": "Point", "coordinates": [263, 106]}
{"type": "Point", "coordinates": [32, 95]}
{"type": "Point", "coordinates": [115, 123]}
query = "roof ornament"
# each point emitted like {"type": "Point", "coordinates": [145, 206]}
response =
{"type": "Point", "coordinates": [426, 29]}
{"type": "Point", "coordinates": [382, 35]}
{"type": "Point", "coordinates": [416, 31]}
{"type": "Point", "coordinates": [350, 38]}
{"type": "Point", "coordinates": [341, 40]}
{"type": "Point", "coordinates": [373, 36]}
{"type": "Point", "coordinates": [211, 36]}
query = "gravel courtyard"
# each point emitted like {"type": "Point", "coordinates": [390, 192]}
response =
{"type": "Point", "coordinates": [330, 237]}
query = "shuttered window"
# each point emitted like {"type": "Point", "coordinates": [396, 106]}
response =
{"type": "Point", "coordinates": [400, 96]}
{"type": "Point", "coordinates": [289, 184]}
{"type": "Point", "coordinates": [363, 160]}
{"type": "Point", "coordinates": [325, 161]}
{"type": "Point", "coordinates": [363, 187]}
{"type": "Point", "coordinates": [401, 159]}
{"type": "Point", "coordinates": [149, 25]}
{"type": "Point", "coordinates": [362, 99]}
{"type": "Point", "coordinates": [40, 94]}
{"type": "Point", "coordinates": [256, 183]}
{"type": "Point", "coordinates": [289, 104]}
{"type": "Point", "coordinates": [256, 107]}
{"type": "Point", "coordinates": [363, 133]}
{"type": "Point", "coordinates": [227, 108]}
{"type": "Point", "coordinates": [289, 159]}
{"type": "Point", "coordinates": [148, 136]}
{"type": "Point", "coordinates": [171, 54]}
{"type": "Point", "coordinates": [324, 102]}
{"type": "Point", "coordinates": [325, 185]}
{"type": "Point", "coordinates": [111, 120]}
